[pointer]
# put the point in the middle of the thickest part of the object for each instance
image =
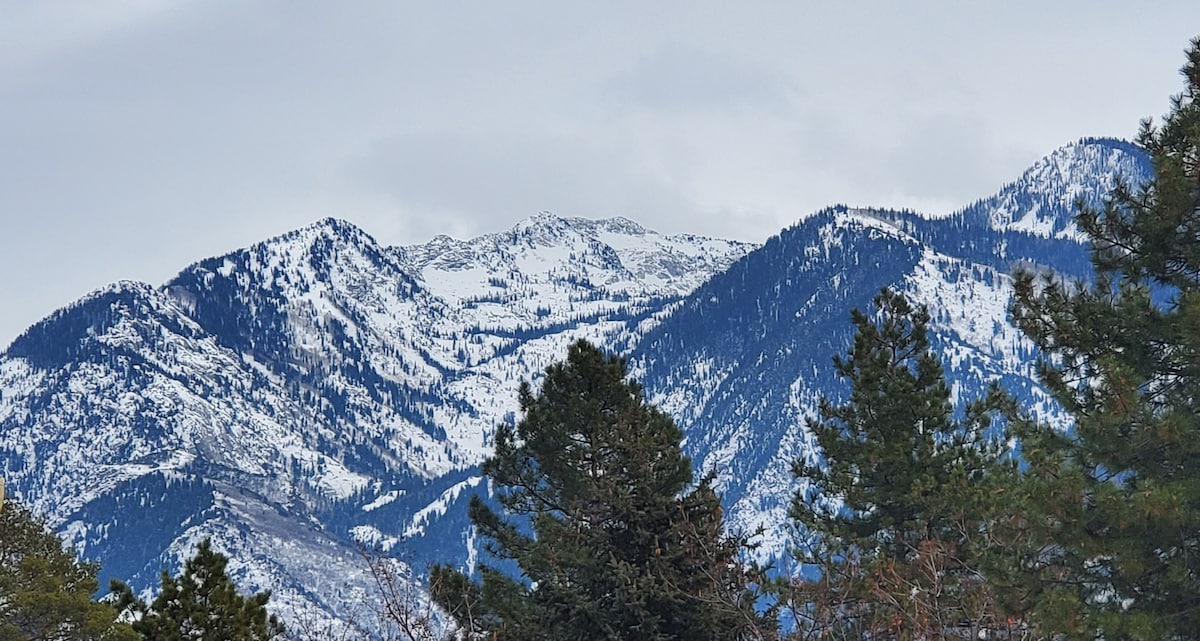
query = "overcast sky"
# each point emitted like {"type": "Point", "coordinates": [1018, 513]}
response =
{"type": "Point", "coordinates": [138, 136]}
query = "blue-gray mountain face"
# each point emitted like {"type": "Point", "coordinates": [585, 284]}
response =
{"type": "Point", "coordinates": [318, 389]}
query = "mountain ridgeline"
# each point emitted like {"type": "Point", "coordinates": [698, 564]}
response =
{"type": "Point", "coordinates": [319, 389]}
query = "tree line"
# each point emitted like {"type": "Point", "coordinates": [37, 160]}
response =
{"type": "Point", "coordinates": [918, 522]}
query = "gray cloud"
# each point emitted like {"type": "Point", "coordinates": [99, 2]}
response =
{"type": "Point", "coordinates": [933, 163]}
{"type": "Point", "coordinates": [136, 137]}
{"type": "Point", "coordinates": [449, 182]}
{"type": "Point", "coordinates": [676, 78]}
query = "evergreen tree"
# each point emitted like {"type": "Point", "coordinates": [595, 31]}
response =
{"type": "Point", "coordinates": [45, 592]}
{"type": "Point", "coordinates": [203, 604]}
{"type": "Point", "coordinates": [609, 540]}
{"type": "Point", "coordinates": [898, 514]}
{"type": "Point", "coordinates": [1119, 495]}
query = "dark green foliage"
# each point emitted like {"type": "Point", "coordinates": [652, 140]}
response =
{"type": "Point", "coordinates": [45, 592]}
{"type": "Point", "coordinates": [1121, 543]}
{"type": "Point", "coordinates": [902, 556]}
{"type": "Point", "coordinates": [202, 604]}
{"type": "Point", "coordinates": [616, 545]}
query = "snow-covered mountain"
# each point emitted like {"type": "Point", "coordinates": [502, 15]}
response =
{"type": "Point", "coordinates": [314, 388]}
{"type": "Point", "coordinates": [318, 388]}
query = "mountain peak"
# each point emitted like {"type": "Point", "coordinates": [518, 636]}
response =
{"type": "Point", "coordinates": [622, 225]}
{"type": "Point", "coordinates": [57, 338]}
{"type": "Point", "coordinates": [330, 227]}
{"type": "Point", "coordinates": [1084, 170]}
{"type": "Point", "coordinates": [311, 247]}
{"type": "Point", "coordinates": [1064, 163]}
{"type": "Point", "coordinates": [546, 217]}
{"type": "Point", "coordinates": [543, 224]}
{"type": "Point", "coordinates": [546, 220]}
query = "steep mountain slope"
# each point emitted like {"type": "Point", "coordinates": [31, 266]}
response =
{"type": "Point", "coordinates": [290, 397]}
{"type": "Point", "coordinates": [744, 360]}
{"type": "Point", "coordinates": [1036, 202]}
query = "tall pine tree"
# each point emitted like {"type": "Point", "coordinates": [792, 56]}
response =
{"type": "Point", "coordinates": [202, 604]}
{"type": "Point", "coordinates": [898, 513]}
{"type": "Point", "coordinates": [1119, 495]}
{"type": "Point", "coordinates": [610, 540]}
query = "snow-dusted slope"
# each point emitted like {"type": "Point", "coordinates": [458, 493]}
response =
{"type": "Point", "coordinates": [1035, 202]}
{"type": "Point", "coordinates": [744, 360]}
